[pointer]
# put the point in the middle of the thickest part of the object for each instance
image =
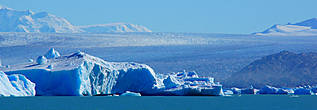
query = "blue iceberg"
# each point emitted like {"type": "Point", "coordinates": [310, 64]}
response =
{"type": "Point", "coordinates": [80, 74]}
{"type": "Point", "coordinates": [16, 85]}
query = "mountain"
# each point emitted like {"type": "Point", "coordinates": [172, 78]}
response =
{"type": "Point", "coordinates": [304, 28]}
{"type": "Point", "coordinates": [284, 69]}
{"type": "Point", "coordinates": [114, 27]}
{"type": "Point", "coordinates": [27, 21]}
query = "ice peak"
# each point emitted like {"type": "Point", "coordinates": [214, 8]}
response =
{"type": "Point", "coordinates": [52, 53]}
{"type": "Point", "coordinates": [41, 60]}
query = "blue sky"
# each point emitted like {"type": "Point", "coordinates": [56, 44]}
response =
{"type": "Point", "coordinates": [206, 16]}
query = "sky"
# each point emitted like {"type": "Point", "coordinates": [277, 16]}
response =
{"type": "Point", "coordinates": [199, 16]}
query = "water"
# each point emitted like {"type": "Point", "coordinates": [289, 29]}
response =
{"type": "Point", "coordinates": [245, 102]}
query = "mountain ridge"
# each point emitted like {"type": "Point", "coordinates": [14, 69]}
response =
{"type": "Point", "coordinates": [304, 28]}
{"type": "Point", "coordinates": [283, 69]}
{"type": "Point", "coordinates": [43, 22]}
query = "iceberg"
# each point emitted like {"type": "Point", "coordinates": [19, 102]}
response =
{"type": "Point", "coordinates": [314, 89]}
{"type": "Point", "coordinates": [273, 90]}
{"type": "Point", "coordinates": [189, 84]}
{"type": "Point", "coordinates": [236, 90]}
{"type": "Point", "coordinates": [228, 92]}
{"type": "Point", "coordinates": [41, 60]}
{"type": "Point", "coordinates": [268, 90]}
{"type": "Point", "coordinates": [16, 85]}
{"type": "Point", "coordinates": [80, 74]}
{"type": "Point", "coordinates": [285, 91]}
{"type": "Point", "coordinates": [52, 53]}
{"type": "Point", "coordinates": [249, 90]}
{"type": "Point", "coordinates": [303, 91]}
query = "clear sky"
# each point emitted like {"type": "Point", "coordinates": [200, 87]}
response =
{"type": "Point", "coordinates": [206, 16]}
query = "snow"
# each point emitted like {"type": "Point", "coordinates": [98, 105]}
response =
{"type": "Point", "coordinates": [114, 27]}
{"type": "Point", "coordinates": [80, 74]}
{"type": "Point", "coordinates": [28, 21]}
{"type": "Point", "coordinates": [16, 85]}
{"type": "Point", "coordinates": [305, 28]}
{"type": "Point", "coordinates": [128, 93]}
{"type": "Point", "coordinates": [52, 53]}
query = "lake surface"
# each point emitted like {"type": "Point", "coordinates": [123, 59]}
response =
{"type": "Point", "coordinates": [245, 102]}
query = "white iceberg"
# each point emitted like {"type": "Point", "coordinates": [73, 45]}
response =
{"type": "Point", "coordinates": [189, 84]}
{"type": "Point", "coordinates": [16, 85]}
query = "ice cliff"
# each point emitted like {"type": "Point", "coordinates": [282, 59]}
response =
{"type": "Point", "coordinates": [16, 85]}
{"type": "Point", "coordinates": [80, 74]}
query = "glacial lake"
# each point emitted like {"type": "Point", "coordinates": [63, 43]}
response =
{"type": "Point", "coordinates": [244, 102]}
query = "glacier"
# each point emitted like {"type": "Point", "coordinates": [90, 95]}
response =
{"type": "Point", "coordinates": [16, 85]}
{"type": "Point", "coordinates": [80, 74]}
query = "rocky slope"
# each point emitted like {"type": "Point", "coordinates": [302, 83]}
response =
{"type": "Point", "coordinates": [284, 69]}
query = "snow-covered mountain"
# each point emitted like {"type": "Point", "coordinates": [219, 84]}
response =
{"type": "Point", "coordinates": [304, 28]}
{"type": "Point", "coordinates": [27, 21]}
{"type": "Point", "coordinates": [114, 27]}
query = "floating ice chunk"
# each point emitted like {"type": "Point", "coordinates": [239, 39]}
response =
{"type": "Point", "coordinates": [128, 93]}
{"type": "Point", "coordinates": [16, 85]}
{"type": "Point", "coordinates": [41, 60]}
{"type": "Point", "coordinates": [228, 92]}
{"type": "Point", "coordinates": [236, 90]}
{"type": "Point", "coordinates": [52, 53]}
